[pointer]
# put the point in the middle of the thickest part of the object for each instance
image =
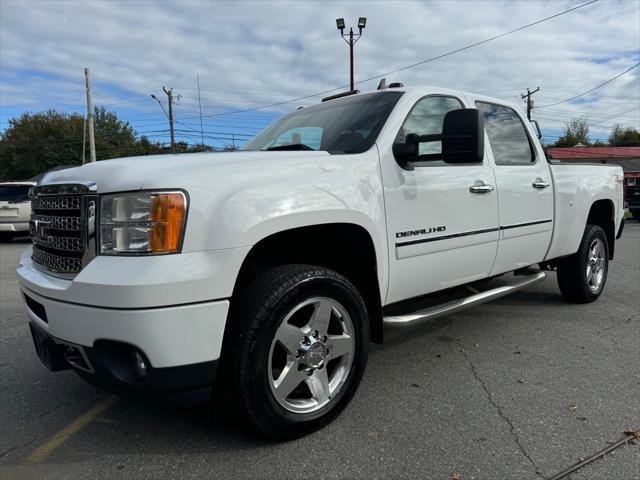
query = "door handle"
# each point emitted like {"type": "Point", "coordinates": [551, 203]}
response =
{"type": "Point", "coordinates": [480, 187]}
{"type": "Point", "coordinates": [539, 183]}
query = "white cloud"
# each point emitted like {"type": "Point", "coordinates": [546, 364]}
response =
{"type": "Point", "coordinates": [271, 51]}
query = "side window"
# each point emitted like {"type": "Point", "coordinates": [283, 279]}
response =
{"type": "Point", "coordinates": [426, 118]}
{"type": "Point", "coordinates": [508, 138]}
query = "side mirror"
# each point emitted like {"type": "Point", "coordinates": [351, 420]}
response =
{"type": "Point", "coordinates": [463, 136]}
{"type": "Point", "coordinates": [407, 152]}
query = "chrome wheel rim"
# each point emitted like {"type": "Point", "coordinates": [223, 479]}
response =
{"type": "Point", "coordinates": [311, 355]}
{"type": "Point", "coordinates": [595, 265]}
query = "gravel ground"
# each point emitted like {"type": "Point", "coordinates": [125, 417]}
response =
{"type": "Point", "coordinates": [516, 389]}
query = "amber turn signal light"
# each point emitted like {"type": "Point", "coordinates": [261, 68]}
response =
{"type": "Point", "coordinates": [167, 219]}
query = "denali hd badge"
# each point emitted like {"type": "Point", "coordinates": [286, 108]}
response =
{"type": "Point", "coordinates": [422, 231]}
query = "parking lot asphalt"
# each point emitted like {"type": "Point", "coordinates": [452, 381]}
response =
{"type": "Point", "coordinates": [520, 388]}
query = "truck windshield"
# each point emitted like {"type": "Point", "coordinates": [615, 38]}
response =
{"type": "Point", "coordinates": [344, 125]}
{"type": "Point", "coordinates": [14, 193]}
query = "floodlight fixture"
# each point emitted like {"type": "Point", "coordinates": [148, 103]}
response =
{"type": "Point", "coordinates": [351, 38]}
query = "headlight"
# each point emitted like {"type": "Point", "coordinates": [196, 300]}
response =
{"type": "Point", "coordinates": [142, 223]}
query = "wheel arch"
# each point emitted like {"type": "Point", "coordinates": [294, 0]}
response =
{"type": "Point", "coordinates": [602, 213]}
{"type": "Point", "coordinates": [347, 248]}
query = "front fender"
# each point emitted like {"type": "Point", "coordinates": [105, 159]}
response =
{"type": "Point", "coordinates": [248, 206]}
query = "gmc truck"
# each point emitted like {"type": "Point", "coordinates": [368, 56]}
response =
{"type": "Point", "coordinates": [270, 270]}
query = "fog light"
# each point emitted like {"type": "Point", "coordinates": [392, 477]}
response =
{"type": "Point", "coordinates": [139, 365]}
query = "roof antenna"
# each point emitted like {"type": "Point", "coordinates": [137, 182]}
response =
{"type": "Point", "coordinates": [383, 84]}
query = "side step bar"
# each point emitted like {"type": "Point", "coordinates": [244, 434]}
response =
{"type": "Point", "coordinates": [436, 311]}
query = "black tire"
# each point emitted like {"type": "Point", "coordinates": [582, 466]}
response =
{"type": "Point", "coordinates": [260, 311]}
{"type": "Point", "coordinates": [572, 271]}
{"type": "Point", "coordinates": [6, 236]}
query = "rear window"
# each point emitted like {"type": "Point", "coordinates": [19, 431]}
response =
{"type": "Point", "coordinates": [14, 193]}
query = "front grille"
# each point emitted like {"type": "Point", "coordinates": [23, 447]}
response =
{"type": "Point", "coordinates": [66, 202]}
{"type": "Point", "coordinates": [62, 230]}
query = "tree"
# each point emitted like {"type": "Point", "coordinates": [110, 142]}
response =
{"type": "Point", "coordinates": [576, 131]}
{"type": "Point", "coordinates": [113, 137]}
{"type": "Point", "coordinates": [624, 137]}
{"type": "Point", "coordinates": [36, 142]}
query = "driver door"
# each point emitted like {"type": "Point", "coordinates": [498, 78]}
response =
{"type": "Point", "coordinates": [441, 231]}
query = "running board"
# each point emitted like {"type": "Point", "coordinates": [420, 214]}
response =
{"type": "Point", "coordinates": [436, 311]}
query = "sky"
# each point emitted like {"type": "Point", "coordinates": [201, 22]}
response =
{"type": "Point", "coordinates": [250, 55]}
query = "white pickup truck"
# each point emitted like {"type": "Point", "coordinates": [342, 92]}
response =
{"type": "Point", "coordinates": [276, 266]}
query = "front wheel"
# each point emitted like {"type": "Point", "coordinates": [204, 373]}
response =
{"type": "Point", "coordinates": [582, 276]}
{"type": "Point", "coordinates": [301, 344]}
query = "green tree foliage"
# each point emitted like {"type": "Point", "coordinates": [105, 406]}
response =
{"type": "Point", "coordinates": [36, 142]}
{"type": "Point", "coordinates": [114, 138]}
{"type": "Point", "coordinates": [576, 131]}
{"type": "Point", "coordinates": [624, 137]}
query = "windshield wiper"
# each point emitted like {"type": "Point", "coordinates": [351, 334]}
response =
{"type": "Point", "coordinates": [292, 146]}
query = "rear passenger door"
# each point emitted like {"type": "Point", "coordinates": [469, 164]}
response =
{"type": "Point", "coordinates": [525, 192]}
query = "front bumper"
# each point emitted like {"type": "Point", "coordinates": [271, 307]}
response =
{"type": "Point", "coordinates": [14, 226]}
{"type": "Point", "coordinates": [114, 366]}
{"type": "Point", "coordinates": [179, 346]}
{"type": "Point", "coordinates": [97, 322]}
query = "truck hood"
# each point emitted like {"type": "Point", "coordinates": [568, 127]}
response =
{"type": "Point", "coordinates": [177, 171]}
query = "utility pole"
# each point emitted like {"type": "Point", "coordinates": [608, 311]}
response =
{"type": "Point", "coordinates": [351, 40]}
{"type": "Point", "coordinates": [529, 102]}
{"type": "Point", "coordinates": [92, 141]}
{"type": "Point", "coordinates": [170, 99]}
{"type": "Point", "coordinates": [169, 115]}
{"type": "Point", "coordinates": [200, 108]}
{"type": "Point", "coordinates": [84, 138]}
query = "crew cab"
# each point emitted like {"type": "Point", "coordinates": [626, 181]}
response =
{"type": "Point", "coordinates": [272, 268]}
{"type": "Point", "coordinates": [15, 209]}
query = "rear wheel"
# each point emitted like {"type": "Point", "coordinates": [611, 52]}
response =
{"type": "Point", "coordinates": [301, 342]}
{"type": "Point", "coordinates": [582, 276]}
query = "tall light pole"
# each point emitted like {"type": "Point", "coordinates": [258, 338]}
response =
{"type": "Point", "coordinates": [351, 39]}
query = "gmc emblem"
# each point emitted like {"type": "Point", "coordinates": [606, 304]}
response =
{"type": "Point", "coordinates": [39, 230]}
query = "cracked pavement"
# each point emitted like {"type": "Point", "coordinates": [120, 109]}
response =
{"type": "Point", "coordinates": [502, 415]}
{"type": "Point", "coordinates": [483, 393]}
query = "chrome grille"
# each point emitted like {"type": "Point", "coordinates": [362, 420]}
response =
{"type": "Point", "coordinates": [56, 263]}
{"type": "Point", "coordinates": [67, 202]}
{"type": "Point", "coordinates": [68, 244]}
{"type": "Point", "coordinates": [62, 228]}
{"type": "Point", "coordinates": [59, 223]}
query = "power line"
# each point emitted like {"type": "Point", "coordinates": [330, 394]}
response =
{"type": "Point", "coordinates": [592, 89]}
{"type": "Point", "coordinates": [466, 47]}
{"type": "Point", "coordinates": [615, 116]}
